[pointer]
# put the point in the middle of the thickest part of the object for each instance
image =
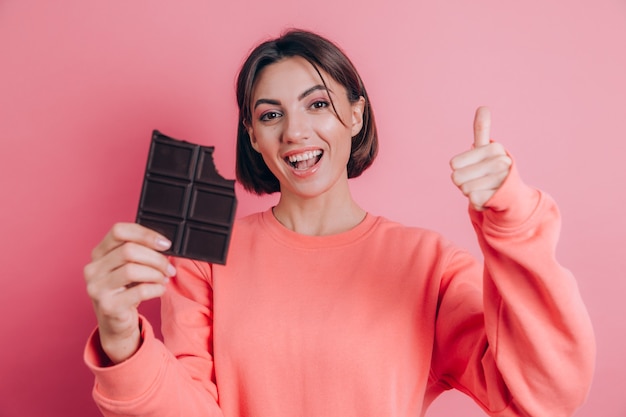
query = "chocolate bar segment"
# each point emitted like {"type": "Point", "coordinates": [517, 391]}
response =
{"type": "Point", "coordinates": [185, 199]}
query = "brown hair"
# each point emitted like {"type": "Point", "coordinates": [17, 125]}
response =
{"type": "Point", "coordinates": [251, 170]}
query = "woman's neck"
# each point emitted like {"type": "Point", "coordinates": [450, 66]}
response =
{"type": "Point", "coordinates": [320, 215]}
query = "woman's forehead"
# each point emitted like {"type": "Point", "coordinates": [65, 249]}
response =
{"type": "Point", "coordinates": [289, 76]}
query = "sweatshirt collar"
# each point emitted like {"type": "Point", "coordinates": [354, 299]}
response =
{"type": "Point", "coordinates": [290, 238]}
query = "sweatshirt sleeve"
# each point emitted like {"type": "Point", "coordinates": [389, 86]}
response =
{"type": "Point", "coordinates": [514, 335]}
{"type": "Point", "coordinates": [171, 379]}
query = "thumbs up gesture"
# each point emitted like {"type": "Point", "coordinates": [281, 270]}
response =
{"type": "Point", "coordinates": [480, 172]}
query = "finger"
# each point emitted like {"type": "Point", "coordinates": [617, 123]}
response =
{"type": "Point", "coordinates": [98, 273]}
{"type": "Point", "coordinates": [116, 307]}
{"type": "Point", "coordinates": [125, 277]}
{"type": "Point", "coordinates": [133, 253]}
{"type": "Point", "coordinates": [135, 295]}
{"type": "Point", "coordinates": [479, 191]}
{"type": "Point", "coordinates": [130, 232]}
{"type": "Point", "coordinates": [470, 171]}
{"type": "Point", "coordinates": [482, 127]}
{"type": "Point", "coordinates": [478, 155]}
{"type": "Point", "coordinates": [130, 275]}
{"type": "Point", "coordinates": [489, 182]}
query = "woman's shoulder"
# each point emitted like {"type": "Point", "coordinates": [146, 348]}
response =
{"type": "Point", "coordinates": [395, 231]}
{"type": "Point", "coordinates": [386, 225]}
{"type": "Point", "coordinates": [248, 223]}
{"type": "Point", "coordinates": [248, 219]}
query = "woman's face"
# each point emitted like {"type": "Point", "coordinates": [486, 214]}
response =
{"type": "Point", "coordinates": [295, 129]}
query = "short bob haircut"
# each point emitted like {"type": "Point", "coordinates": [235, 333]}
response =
{"type": "Point", "coordinates": [323, 55]}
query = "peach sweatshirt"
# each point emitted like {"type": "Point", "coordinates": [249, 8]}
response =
{"type": "Point", "coordinates": [376, 321]}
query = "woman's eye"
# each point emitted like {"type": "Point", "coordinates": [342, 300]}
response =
{"type": "Point", "coordinates": [320, 104]}
{"type": "Point", "coordinates": [270, 115]}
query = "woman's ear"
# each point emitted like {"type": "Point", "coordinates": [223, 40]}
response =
{"type": "Point", "coordinates": [358, 107]}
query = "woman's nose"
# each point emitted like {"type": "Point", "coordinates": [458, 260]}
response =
{"type": "Point", "coordinates": [297, 128]}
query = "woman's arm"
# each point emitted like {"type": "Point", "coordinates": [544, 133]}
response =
{"type": "Point", "coordinates": [158, 380]}
{"type": "Point", "coordinates": [515, 335]}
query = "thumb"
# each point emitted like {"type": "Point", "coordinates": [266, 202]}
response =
{"type": "Point", "coordinates": [482, 127]}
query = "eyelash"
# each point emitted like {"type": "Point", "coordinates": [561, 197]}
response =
{"type": "Point", "coordinates": [323, 103]}
{"type": "Point", "coordinates": [271, 115]}
{"type": "Point", "coordinates": [265, 116]}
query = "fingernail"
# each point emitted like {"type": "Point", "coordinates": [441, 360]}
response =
{"type": "Point", "coordinates": [171, 271]}
{"type": "Point", "coordinates": [163, 243]}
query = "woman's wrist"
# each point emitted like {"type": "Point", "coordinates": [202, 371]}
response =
{"type": "Point", "coordinates": [118, 349]}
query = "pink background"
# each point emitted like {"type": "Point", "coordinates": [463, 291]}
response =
{"type": "Point", "coordinates": [83, 83]}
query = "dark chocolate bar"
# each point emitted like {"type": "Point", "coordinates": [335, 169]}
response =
{"type": "Point", "coordinates": [186, 200]}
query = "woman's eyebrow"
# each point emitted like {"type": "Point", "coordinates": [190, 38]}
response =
{"type": "Point", "coordinates": [266, 101]}
{"type": "Point", "coordinates": [314, 88]}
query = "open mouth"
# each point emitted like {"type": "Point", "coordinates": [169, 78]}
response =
{"type": "Point", "coordinates": [305, 160]}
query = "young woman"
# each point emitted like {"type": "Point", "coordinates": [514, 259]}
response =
{"type": "Point", "coordinates": [324, 309]}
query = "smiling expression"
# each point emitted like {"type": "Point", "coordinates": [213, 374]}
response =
{"type": "Point", "coordinates": [303, 136]}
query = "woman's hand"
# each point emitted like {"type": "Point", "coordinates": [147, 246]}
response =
{"type": "Point", "coordinates": [481, 171]}
{"type": "Point", "coordinates": [126, 269]}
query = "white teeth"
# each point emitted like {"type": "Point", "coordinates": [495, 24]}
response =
{"type": "Point", "coordinates": [305, 156]}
